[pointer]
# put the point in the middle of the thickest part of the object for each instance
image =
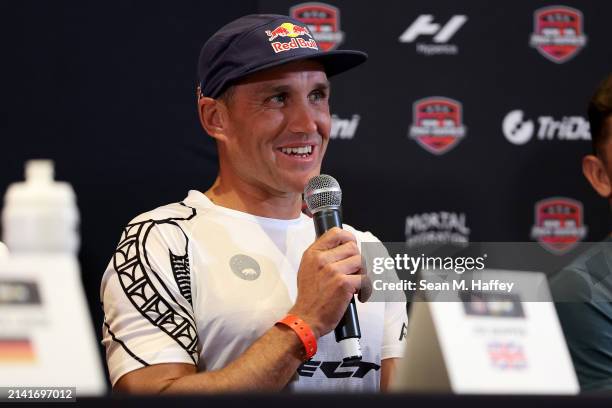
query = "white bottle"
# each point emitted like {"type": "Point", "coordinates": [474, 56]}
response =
{"type": "Point", "coordinates": [3, 251]}
{"type": "Point", "coordinates": [40, 215]}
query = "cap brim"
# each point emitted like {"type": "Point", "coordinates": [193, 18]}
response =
{"type": "Point", "coordinates": [334, 62]}
{"type": "Point", "coordinates": [338, 61]}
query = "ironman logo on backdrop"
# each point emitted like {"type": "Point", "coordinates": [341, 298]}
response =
{"type": "Point", "coordinates": [323, 21]}
{"type": "Point", "coordinates": [437, 124]}
{"type": "Point", "coordinates": [558, 34]}
{"type": "Point", "coordinates": [558, 224]}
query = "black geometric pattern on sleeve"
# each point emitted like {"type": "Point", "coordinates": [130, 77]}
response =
{"type": "Point", "coordinates": [130, 261]}
{"type": "Point", "coordinates": [182, 275]}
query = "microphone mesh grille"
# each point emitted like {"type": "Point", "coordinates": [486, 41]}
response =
{"type": "Point", "coordinates": [322, 191]}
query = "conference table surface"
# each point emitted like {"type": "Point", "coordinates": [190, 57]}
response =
{"type": "Point", "coordinates": [351, 400]}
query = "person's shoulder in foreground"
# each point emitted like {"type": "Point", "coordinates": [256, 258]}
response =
{"type": "Point", "coordinates": [583, 298]}
{"type": "Point", "coordinates": [583, 290]}
{"type": "Point", "coordinates": [194, 293]}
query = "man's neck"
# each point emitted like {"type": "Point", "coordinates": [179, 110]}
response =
{"type": "Point", "coordinates": [255, 201]}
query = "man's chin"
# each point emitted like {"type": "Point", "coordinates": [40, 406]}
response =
{"type": "Point", "coordinates": [297, 185]}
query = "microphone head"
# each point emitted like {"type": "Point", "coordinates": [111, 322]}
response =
{"type": "Point", "coordinates": [322, 192]}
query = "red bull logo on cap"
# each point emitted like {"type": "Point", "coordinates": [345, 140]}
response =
{"type": "Point", "coordinates": [558, 224]}
{"type": "Point", "coordinates": [294, 33]}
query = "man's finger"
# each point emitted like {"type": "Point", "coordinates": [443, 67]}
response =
{"type": "Point", "coordinates": [332, 238]}
{"type": "Point", "coordinates": [366, 288]}
{"type": "Point", "coordinates": [349, 266]}
{"type": "Point", "coordinates": [340, 252]}
{"type": "Point", "coordinates": [355, 281]}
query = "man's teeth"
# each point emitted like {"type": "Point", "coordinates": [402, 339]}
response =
{"type": "Point", "coordinates": [303, 150]}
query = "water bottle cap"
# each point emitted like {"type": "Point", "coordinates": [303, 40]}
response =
{"type": "Point", "coordinates": [39, 171]}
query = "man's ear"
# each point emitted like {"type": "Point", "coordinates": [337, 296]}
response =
{"type": "Point", "coordinates": [213, 117]}
{"type": "Point", "coordinates": [595, 171]}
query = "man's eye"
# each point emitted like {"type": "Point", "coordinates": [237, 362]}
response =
{"type": "Point", "coordinates": [280, 98]}
{"type": "Point", "coordinates": [318, 95]}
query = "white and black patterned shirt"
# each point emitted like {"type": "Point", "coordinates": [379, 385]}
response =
{"type": "Point", "coordinates": [193, 282]}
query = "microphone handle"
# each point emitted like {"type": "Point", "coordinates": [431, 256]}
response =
{"type": "Point", "coordinates": [347, 331]}
{"type": "Point", "coordinates": [327, 219]}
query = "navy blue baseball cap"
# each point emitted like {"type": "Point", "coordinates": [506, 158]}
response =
{"type": "Point", "coordinates": [259, 41]}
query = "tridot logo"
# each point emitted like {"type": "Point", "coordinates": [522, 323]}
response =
{"type": "Point", "coordinates": [424, 25]}
{"type": "Point", "coordinates": [558, 34]}
{"type": "Point", "coordinates": [442, 227]}
{"type": "Point", "coordinates": [519, 130]}
{"type": "Point", "coordinates": [294, 33]}
{"type": "Point", "coordinates": [437, 124]}
{"type": "Point", "coordinates": [516, 129]}
{"type": "Point", "coordinates": [558, 224]}
{"type": "Point", "coordinates": [323, 21]}
{"type": "Point", "coordinates": [344, 128]}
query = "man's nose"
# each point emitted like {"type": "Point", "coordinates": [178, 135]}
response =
{"type": "Point", "coordinates": [303, 119]}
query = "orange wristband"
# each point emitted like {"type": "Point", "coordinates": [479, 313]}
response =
{"type": "Point", "coordinates": [303, 331]}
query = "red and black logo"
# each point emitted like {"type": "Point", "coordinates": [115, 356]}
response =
{"type": "Point", "coordinates": [437, 124]}
{"type": "Point", "coordinates": [558, 34]}
{"type": "Point", "coordinates": [558, 224]}
{"type": "Point", "coordinates": [322, 20]}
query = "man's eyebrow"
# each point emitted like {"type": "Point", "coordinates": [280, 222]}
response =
{"type": "Point", "coordinates": [275, 89]}
{"type": "Point", "coordinates": [286, 88]}
{"type": "Point", "coordinates": [323, 85]}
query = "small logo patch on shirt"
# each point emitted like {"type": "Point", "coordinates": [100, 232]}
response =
{"type": "Point", "coordinates": [245, 267]}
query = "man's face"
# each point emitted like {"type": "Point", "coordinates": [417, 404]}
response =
{"type": "Point", "coordinates": [606, 155]}
{"type": "Point", "coordinates": [606, 149]}
{"type": "Point", "coordinates": [598, 168]}
{"type": "Point", "coordinates": [278, 127]}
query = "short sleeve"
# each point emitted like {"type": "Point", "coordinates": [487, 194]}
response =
{"type": "Point", "coordinates": [145, 293]}
{"type": "Point", "coordinates": [395, 329]}
{"type": "Point", "coordinates": [396, 317]}
{"type": "Point", "coordinates": [586, 320]}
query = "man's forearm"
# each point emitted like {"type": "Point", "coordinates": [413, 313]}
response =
{"type": "Point", "coordinates": [267, 365]}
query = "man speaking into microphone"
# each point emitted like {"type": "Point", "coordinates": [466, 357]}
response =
{"type": "Point", "coordinates": [231, 289]}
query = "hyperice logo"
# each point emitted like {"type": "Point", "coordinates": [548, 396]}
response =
{"type": "Point", "coordinates": [558, 224]}
{"type": "Point", "coordinates": [558, 34]}
{"type": "Point", "coordinates": [519, 130]}
{"type": "Point", "coordinates": [337, 369]}
{"type": "Point", "coordinates": [424, 25]}
{"type": "Point", "coordinates": [323, 20]}
{"type": "Point", "coordinates": [437, 124]}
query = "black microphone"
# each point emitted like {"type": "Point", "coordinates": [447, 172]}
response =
{"type": "Point", "coordinates": [323, 198]}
